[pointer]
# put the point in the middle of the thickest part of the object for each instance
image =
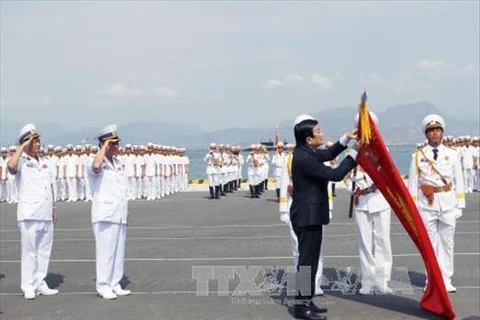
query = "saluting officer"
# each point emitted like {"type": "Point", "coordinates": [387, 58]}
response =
{"type": "Point", "coordinates": [436, 185]}
{"type": "Point", "coordinates": [35, 211]}
{"type": "Point", "coordinates": [109, 214]}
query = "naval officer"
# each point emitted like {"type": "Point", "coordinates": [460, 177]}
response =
{"type": "Point", "coordinates": [436, 184]}
{"type": "Point", "coordinates": [109, 214]}
{"type": "Point", "coordinates": [35, 212]}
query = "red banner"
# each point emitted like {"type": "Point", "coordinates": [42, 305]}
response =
{"type": "Point", "coordinates": [374, 157]}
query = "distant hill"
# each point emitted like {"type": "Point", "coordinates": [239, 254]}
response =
{"type": "Point", "coordinates": [398, 124]}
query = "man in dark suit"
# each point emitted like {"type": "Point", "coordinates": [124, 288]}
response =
{"type": "Point", "coordinates": [310, 209]}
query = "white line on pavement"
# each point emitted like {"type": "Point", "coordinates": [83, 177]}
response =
{"type": "Point", "coordinates": [234, 258]}
{"type": "Point", "coordinates": [227, 238]}
{"type": "Point", "coordinates": [221, 226]}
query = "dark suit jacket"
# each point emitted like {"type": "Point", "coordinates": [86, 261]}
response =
{"type": "Point", "coordinates": [310, 180]}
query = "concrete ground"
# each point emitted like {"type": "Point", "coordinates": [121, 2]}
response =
{"type": "Point", "coordinates": [173, 242]}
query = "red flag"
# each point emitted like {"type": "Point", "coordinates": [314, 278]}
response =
{"type": "Point", "coordinates": [277, 138]}
{"type": "Point", "coordinates": [374, 157]}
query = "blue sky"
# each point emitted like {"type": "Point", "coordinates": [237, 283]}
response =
{"type": "Point", "coordinates": [224, 64]}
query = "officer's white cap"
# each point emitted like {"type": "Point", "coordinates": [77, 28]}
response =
{"type": "Point", "coordinates": [128, 145]}
{"type": "Point", "coordinates": [302, 118]}
{"type": "Point", "coordinates": [57, 148]}
{"type": "Point", "coordinates": [149, 144]}
{"type": "Point", "coordinates": [280, 144]}
{"type": "Point", "coordinates": [27, 132]}
{"type": "Point", "coordinates": [110, 132]}
{"type": "Point", "coordinates": [372, 114]}
{"type": "Point", "coordinates": [213, 145]}
{"type": "Point", "coordinates": [78, 147]}
{"type": "Point", "coordinates": [433, 121]}
{"type": "Point", "coordinates": [50, 147]}
{"type": "Point", "coordinates": [69, 146]}
{"type": "Point", "coordinates": [12, 148]}
{"type": "Point", "coordinates": [4, 149]}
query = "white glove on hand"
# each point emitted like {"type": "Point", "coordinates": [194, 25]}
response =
{"type": "Point", "coordinates": [284, 216]}
{"type": "Point", "coordinates": [459, 213]}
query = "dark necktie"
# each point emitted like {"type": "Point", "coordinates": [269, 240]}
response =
{"type": "Point", "coordinates": [435, 154]}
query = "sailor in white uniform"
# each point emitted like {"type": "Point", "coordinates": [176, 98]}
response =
{"type": "Point", "coordinates": [109, 214]}
{"type": "Point", "coordinates": [436, 185]}
{"type": "Point", "coordinates": [35, 212]}
{"type": "Point", "coordinates": [3, 175]}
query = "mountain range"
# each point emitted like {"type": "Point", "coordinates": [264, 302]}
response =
{"type": "Point", "coordinates": [398, 124]}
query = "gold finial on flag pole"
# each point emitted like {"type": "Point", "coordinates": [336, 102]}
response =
{"type": "Point", "coordinates": [364, 120]}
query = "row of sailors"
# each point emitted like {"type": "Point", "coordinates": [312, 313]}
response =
{"type": "Point", "coordinates": [224, 169]}
{"type": "Point", "coordinates": [468, 149]}
{"type": "Point", "coordinates": [153, 172]}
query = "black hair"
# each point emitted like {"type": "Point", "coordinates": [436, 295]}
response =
{"type": "Point", "coordinates": [303, 130]}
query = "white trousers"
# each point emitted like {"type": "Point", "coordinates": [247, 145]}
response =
{"type": "Point", "coordinates": [12, 191]}
{"type": "Point", "coordinates": [110, 254]}
{"type": "Point", "coordinates": [150, 187]}
{"type": "Point", "coordinates": [72, 189]}
{"type": "Point", "coordinates": [80, 188]}
{"type": "Point", "coordinates": [3, 190]}
{"type": "Point", "coordinates": [278, 182]}
{"type": "Point", "coordinates": [139, 190]}
{"type": "Point", "coordinates": [374, 247]}
{"type": "Point", "coordinates": [88, 189]}
{"type": "Point", "coordinates": [441, 230]}
{"type": "Point", "coordinates": [36, 242]}
{"type": "Point", "coordinates": [131, 191]}
{"type": "Point", "coordinates": [213, 179]}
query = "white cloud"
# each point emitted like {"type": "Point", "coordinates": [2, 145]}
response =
{"type": "Point", "coordinates": [166, 93]}
{"type": "Point", "coordinates": [434, 64]}
{"type": "Point", "coordinates": [322, 81]}
{"type": "Point", "coordinates": [272, 83]}
{"type": "Point", "coordinates": [117, 90]}
{"type": "Point", "coordinates": [293, 78]}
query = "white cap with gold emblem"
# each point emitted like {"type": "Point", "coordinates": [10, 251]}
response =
{"type": "Point", "coordinates": [433, 121]}
{"type": "Point", "coordinates": [27, 132]}
{"type": "Point", "coordinates": [110, 132]}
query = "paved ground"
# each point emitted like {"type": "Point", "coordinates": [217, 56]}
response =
{"type": "Point", "coordinates": [170, 240]}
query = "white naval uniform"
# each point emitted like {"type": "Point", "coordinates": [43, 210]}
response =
{"type": "Point", "coordinates": [372, 215]}
{"type": "Point", "coordinates": [12, 188]}
{"type": "Point", "coordinates": [213, 169]}
{"type": "Point", "coordinates": [476, 174]}
{"type": "Point", "coordinates": [439, 217]}
{"type": "Point", "coordinates": [109, 222]}
{"type": "Point", "coordinates": [150, 173]}
{"type": "Point", "coordinates": [284, 209]}
{"type": "Point", "coordinates": [278, 162]}
{"type": "Point", "coordinates": [62, 181]}
{"type": "Point", "coordinates": [3, 179]}
{"type": "Point", "coordinates": [72, 163]}
{"type": "Point", "coordinates": [34, 215]}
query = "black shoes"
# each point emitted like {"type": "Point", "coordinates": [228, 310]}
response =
{"type": "Point", "coordinates": [304, 312]}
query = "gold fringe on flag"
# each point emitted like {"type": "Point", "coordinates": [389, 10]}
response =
{"type": "Point", "coordinates": [364, 121]}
